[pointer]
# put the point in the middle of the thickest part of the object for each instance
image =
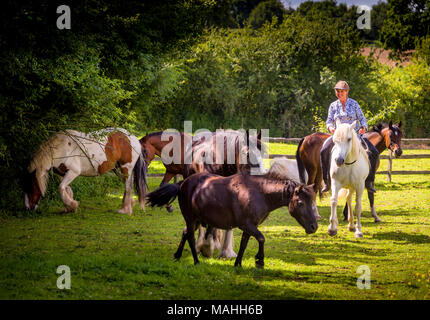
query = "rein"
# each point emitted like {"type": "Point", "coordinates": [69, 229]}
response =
{"type": "Point", "coordinates": [349, 163]}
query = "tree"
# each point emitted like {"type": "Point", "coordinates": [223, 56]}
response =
{"type": "Point", "coordinates": [265, 11]}
{"type": "Point", "coordinates": [405, 23]}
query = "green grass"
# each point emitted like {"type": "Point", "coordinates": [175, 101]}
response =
{"type": "Point", "coordinates": [113, 256]}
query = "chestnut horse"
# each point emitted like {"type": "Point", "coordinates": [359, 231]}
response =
{"type": "Point", "coordinates": [153, 145]}
{"type": "Point", "coordinates": [241, 201]}
{"type": "Point", "coordinates": [71, 154]}
{"type": "Point", "coordinates": [382, 136]}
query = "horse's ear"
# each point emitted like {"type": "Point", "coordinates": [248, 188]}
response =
{"type": "Point", "coordinates": [259, 135]}
{"type": "Point", "coordinates": [353, 125]}
{"type": "Point", "coordinates": [390, 125]}
{"type": "Point", "coordinates": [376, 128]}
{"type": "Point", "coordinates": [400, 124]}
{"type": "Point", "coordinates": [338, 123]}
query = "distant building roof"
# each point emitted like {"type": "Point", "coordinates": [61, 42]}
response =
{"type": "Point", "coordinates": [382, 56]}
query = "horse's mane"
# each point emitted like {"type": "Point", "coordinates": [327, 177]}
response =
{"type": "Point", "coordinates": [341, 133]}
{"type": "Point", "coordinates": [42, 161]}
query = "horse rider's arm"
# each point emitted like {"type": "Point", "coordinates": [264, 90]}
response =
{"type": "Point", "coordinates": [330, 118]}
{"type": "Point", "coordinates": [360, 116]}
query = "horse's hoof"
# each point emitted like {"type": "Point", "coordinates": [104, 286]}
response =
{"type": "Point", "coordinates": [170, 208]}
{"type": "Point", "coordinates": [332, 232]}
{"type": "Point", "coordinates": [259, 264]}
{"type": "Point", "coordinates": [359, 235]}
{"type": "Point", "coordinates": [352, 229]}
{"type": "Point", "coordinates": [377, 219]}
{"type": "Point", "coordinates": [125, 211]}
{"type": "Point", "coordinates": [227, 255]}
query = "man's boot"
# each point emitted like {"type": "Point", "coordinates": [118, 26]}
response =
{"type": "Point", "coordinates": [373, 155]}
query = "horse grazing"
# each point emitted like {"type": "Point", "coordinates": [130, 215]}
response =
{"type": "Point", "coordinates": [241, 201]}
{"type": "Point", "coordinates": [71, 154]}
{"type": "Point", "coordinates": [349, 169]}
{"type": "Point", "coordinates": [309, 149]}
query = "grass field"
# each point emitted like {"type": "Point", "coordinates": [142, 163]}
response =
{"type": "Point", "coordinates": [113, 256]}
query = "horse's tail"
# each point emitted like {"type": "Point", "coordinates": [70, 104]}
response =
{"type": "Point", "coordinates": [300, 165]}
{"type": "Point", "coordinates": [140, 171]}
{"type": "Point", "coordinates": [164, 195]}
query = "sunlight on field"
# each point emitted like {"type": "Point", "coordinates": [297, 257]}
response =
{"type": "Point", "coordinates": [115, 256]}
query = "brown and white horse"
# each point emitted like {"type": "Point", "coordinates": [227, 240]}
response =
{"type": "Point", "coordinates": [71, 154]}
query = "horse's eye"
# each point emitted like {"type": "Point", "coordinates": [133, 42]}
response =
{"type": "Point", "coordinates": [349, 139]}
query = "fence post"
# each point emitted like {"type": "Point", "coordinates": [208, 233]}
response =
{"type": "Point", "coordinates": [389, 165]}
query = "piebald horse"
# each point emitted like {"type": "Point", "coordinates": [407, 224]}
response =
{"type": "Point", "coordinates": [71, 154]}
{"type": "Point", "coordinates": [349, 169]}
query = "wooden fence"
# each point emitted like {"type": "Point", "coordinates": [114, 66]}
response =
{"type": "Point", "coordinates": [406, 144]}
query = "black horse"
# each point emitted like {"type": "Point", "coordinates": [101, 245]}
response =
{"type": "Point", "coordinates": [241, 201]}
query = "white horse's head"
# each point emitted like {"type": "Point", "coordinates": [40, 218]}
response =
{"type": "Point", "coordinates": [346, 143]}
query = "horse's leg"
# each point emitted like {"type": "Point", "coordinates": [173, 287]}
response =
{"type": "Point", "coordinates": [350, 213]}
{"type": "Point", "coordinates": [66, 193]}
{"type": "Point", "coordinates": [219, 235]}
{"type": "Point", "coordinates": [358, 233]}
{"type": "Point", "coordinates": [345, 212]}
{"type": "Point", "coordinates": [253, 231]}
{"type": "Point", "coordinates": [227, 248]}
{"type": "Point", "coordinates": [243, 244]}
{"type": "Point", "coordinates": [201, 240]}
{"type": "Point", "coordinates": [371, 197]}
{"type": "Point", "coordinates": [178, 252]}
{"type": "Point", "coordinates": [68, 189]}
{"type": "Point", "coordinates": [167, 177]}
{"type": "Point", "coordinates": [206, 245]}
{"type": "Point", "coordinates": [332, 228]}
{"type": "Point", "coordinates": [191, 227]}
{"type": "Point", "coordinates": [128, 201]}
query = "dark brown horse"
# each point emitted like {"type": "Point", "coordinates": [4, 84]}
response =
{"type": "Point", "coordinates": [241, 201]}
{"type": "Point", "coordinates": [224, 153]}
{"type": "Point", "coordinates": [382, 136]}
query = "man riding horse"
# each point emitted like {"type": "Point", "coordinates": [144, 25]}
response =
{"type": "Point", "coordinates": [347, 110]}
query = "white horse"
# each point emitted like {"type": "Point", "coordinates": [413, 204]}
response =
{"type": "Point", "coordinates": [71, 154]}
{"type": "Point", "coordinates": [349, 169]}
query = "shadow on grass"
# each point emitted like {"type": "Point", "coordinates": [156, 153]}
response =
{"type": "Point", "coordinates": [395, 186]}
{"type": "Point", "coordinates": [402, 236]}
